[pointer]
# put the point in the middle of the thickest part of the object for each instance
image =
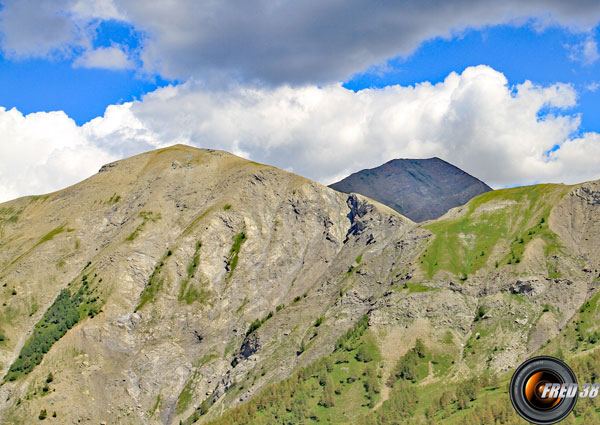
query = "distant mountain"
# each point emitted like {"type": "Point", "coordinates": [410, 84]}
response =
{"type": "Point", "coordinates": [420, 189]}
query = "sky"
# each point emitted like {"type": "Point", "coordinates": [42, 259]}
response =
{"type": "Point", "coordinates": [508, 91]}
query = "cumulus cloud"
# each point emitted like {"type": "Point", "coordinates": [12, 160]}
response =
{"type": "Point", "coordinates": [104, 57]}
{"type": "Point", "coordinates": [273, 41]}
{"type": "Point", "coordinates": [43, 152]}
{"type": "Point", "coordinates": [474, 120]}
{"type": "Point", "coordinates": [504, 135]}
{"type": "Point", "coordinates": [578, 158]}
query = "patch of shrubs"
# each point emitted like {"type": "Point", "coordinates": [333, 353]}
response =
{"type": "Point", "coordinates": [350, 338]}
{"type": "Point", "coordinates": [62, 315]}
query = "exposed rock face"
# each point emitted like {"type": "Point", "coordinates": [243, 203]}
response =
{"type": "Point", "coordinates": [213, 273]}
{"type": "Point", "coordinates": [191, 246]}
{"type": "Point", "coordinates": [420, 189]}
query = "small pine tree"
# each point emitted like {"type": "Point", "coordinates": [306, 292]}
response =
{"type": "Point", "coordinates": [327, 398]}
{"type": "Point", "coordinates": [364, 354]}
{"type": "Point", "coordinates": [420, 348]}
{"type": "Point", "coordinates": [43, 414]}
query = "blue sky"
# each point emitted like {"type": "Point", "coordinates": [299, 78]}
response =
{"type": "Point", "coordinates": [520, 52]}
{"type": "Point", "coordinates": [322, 89]}
{"type": "Point", "coordinates": [57, 83]}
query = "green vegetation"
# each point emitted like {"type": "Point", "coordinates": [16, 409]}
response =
{"type": "Point", "coordinates": [200, 410]}
{"type": "Point", "coordinates": [226, 207]}
{"type": "Point", "coordinates": [50, 235]}
{"type": "Point", "coordinates": [462, 245]}
{"type": "Point", "coordinates": [234, 252]}
{"type": "Point", "coordinates": [114, 199]}
{"type": "Point", "coordinates": [339, 389]}
{"type": "Point", "coordinates": [187, 291]}
{"type": "Point", "coordinates": [334, 389]}
{"type": "Point", "coordinates": [47, 237]}
{"type": "Point", "coordinates": [244, 304]}
{"type": "Point", "coordinates": [9, 215]}
{"type": "Point", "coordinates": [186, 395]}
{"type": "Point", "coordinates": [146, 217]}
{"type": "Point", "coordinates": [367, 351]}
{"type": "Point", "coordinates": [583, 332]}
{"type": "Point", "coordinates": [416, 287]}
{"type": "Point", "coordinates": [413, 366]}
{"type": "Point", "coordinates": [43, 414]}
{"type": "Point", "coordinates": [258, 323]}
{"type": "Point", "coordinates": [481, 311]}
{"type": "Point", "coordinates": [191, 295]}
{"type": "Point", "coordinates": [350, 339]}
{"type": "Point", "coordinates": [67, 309]}
{"type": "Point", "coordinates": [156, 406]}
{"type": "Point", "coordinates": [191, 270]}
{"type": "Point", "coordinates": [345, 387]}
{"type": "Point", "coordinates": [154, 284]}
{"type": "Point", "coordinates": [230, 347]}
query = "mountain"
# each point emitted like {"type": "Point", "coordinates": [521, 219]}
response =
{"type": "Point", "coordinates": [187, 285]}
{"type": "Point", "coordinates": [420, 189]}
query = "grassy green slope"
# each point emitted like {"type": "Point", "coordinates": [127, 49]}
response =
{"type": "Point", "coordinates": [336, 389]}
{"type": "Point", "coordinates": [344, 387]}
{"type": "Point", "coordinates": [494, 229]}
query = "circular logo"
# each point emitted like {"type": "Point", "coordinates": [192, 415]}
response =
{"type": "Point", "coordinates": [543, 390]}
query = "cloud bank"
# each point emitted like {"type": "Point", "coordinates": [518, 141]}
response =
{"type": "Point", "coordinates": [307, 42]}
{"type": "Point", "coordinates": [501, 134]}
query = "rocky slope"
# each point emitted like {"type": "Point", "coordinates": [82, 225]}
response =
{"type": "Point", "coordinates": [421, 189]}
{"type": "Point", "coordinates": [183, 249]}
{"type": "Point", "coordinates": [197, 279]}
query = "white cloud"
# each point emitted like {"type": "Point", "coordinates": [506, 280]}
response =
{"type": "Point", "coordinates": [104, 57]}
{"type": "Point", "coordinates": [96, 9]}
{"type": "Point", "coordinates": [473, 120]}
{"type": "Point", "coordinates": [276, 42]}
{"type": "Point", "coordinates": [585, 52]}
{"type": "Point", "coordinates": [593, 86]}
{"type": "Point", "coordinates": [578, 158]}
{"type": "Point", "coordinates": [43, 152]}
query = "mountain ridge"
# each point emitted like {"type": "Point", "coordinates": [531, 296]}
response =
{"type": "Point", "coordinates": [204, 282]}
{"type": "Point", "coordinates": [421, 189]}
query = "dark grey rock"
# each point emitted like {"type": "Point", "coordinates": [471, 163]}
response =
{"type": "Point", "coordinates": [420, 189]}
